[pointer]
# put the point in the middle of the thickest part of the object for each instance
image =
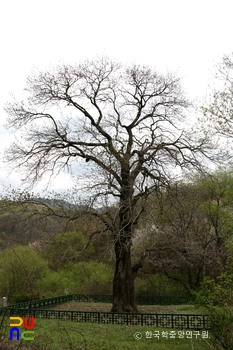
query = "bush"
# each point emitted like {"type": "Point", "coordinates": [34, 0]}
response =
{"type": "Point", "coordinates": [157, 284]}
{"type": "Point", "coordinates": [83, 278]}
{"type": "Point", "coordinates": [56, 283]}
{"type": "Point", "coordinates": [67, 247]}
{"type": "Point", "coordinates": [21, 297]}
{"type": "Point", "coordinates": [216, 297]}
{"type": "Point", "coordinates": [92, 277]}
{"type": "Point", "coordinates": [20, 270]}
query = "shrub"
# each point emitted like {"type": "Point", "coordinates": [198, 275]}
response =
{"type": "Point", "coordinates": [20, 270]}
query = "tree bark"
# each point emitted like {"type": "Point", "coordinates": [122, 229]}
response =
{"type": "Point", "coordinates": [123, 282]}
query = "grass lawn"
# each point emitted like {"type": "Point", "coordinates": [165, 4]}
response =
{"type": "Point", "coordinates": [153, 309]}
{"type": "Point", "coordinates": [64, 335]}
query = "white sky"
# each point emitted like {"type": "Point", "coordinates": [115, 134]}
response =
{"type": "Point", "coordinates": [188, 36]}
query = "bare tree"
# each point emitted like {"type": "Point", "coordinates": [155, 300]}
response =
{"type": "Point", "coordinates": [126, 122]}
{"type": "Point", "coordinates": [218, 110]}
{"type": "Point", "coordinates": [191, 223]}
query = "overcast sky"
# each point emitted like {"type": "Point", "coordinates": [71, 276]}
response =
{"type": "Point", "coordinates": [179, 35]}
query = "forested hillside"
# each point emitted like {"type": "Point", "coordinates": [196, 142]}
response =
{"type": "Point", "coordinates": [49, 249]}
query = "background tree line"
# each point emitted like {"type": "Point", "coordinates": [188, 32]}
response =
{"type": "Point", "coordinates": [184, 238]}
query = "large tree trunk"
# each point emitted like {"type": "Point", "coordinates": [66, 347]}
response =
{"type": "Point", "coordinates": [123, 283]}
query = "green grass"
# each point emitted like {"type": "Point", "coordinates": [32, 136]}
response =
{"type": "Point", "coordinates": [153, 309]}
{"type": "Point", "coordinates": [66, 335]}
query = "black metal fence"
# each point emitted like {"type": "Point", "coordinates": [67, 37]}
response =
{"type": "Point", "coordinates": [141, 300]}
{"type": "Point", "coordinates": [39, 309]}
{"type": "Point", "coordinates": [182, 321]}
{"type": "Point", "coordinates": [42, 303]}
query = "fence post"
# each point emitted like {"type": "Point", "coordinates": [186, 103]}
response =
{"type": "Point", "coordinates": [4, 302]}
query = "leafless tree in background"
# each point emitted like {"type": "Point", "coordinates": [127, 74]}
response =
{"type": "Point", "coordinates": [191, 224]}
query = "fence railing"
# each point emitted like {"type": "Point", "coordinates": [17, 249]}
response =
{"type": "Point", "coordinates": [42, 303]}
{"type": "Point", "coordinates": [182, 321]}
{"type": "Point", "coordinates": [141, 300]}
{"type": "Point", "coordinates": [39, 309]}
